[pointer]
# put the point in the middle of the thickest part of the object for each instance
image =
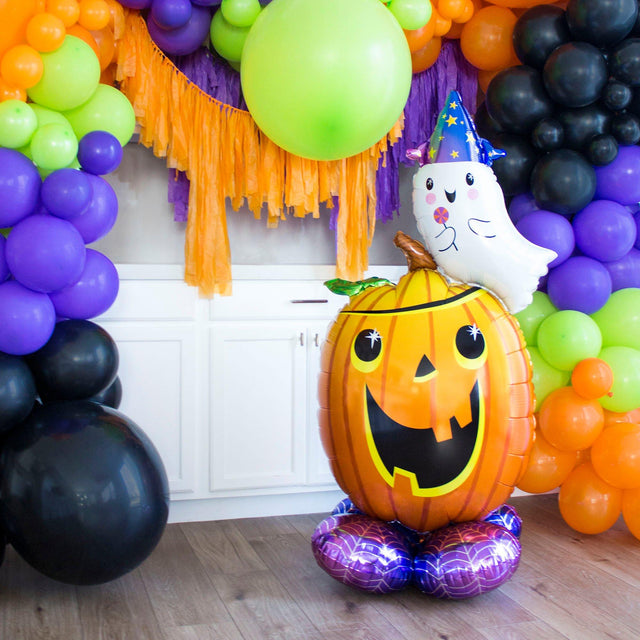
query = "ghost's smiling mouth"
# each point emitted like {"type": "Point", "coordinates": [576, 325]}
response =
{"type": "Point", "coordinates": [434, 467]}
{"type": "Point", "coordinates": [451, 195]}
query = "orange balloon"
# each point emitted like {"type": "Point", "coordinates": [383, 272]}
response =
{"type": "Point", "coordinates": [427, 56]}
{"type": "Point", "coordinates": [14, 16]}
{"type": "Point", "coordinates": [570, 422]}
{"type": "Point", "coordinates": [587, 503]}
{"type": "Point", "coordinates": [592, 378]}
{"type": "Point", "coordinates": [67, 10]}
{"type": "Point", "coordinates": [440, 24]}
{"type": "Point", "coordinates": [22, 66]}
{"type": "Point", "coordinates": [631, 510]}
{"type": "Point", "coordinates": [7, 92]}
{"type": "Point", "coordinates": [418, 38]}
{"type": "Point", "coordinates": [451, 9]}
{"type": "Point", "coordinates": [521, 4]}
{"type": "Point", "coordinates": [611, 418]}
{"type": "Point", "coordinates": [455, 31]}
{"type": "Point", "coordinates": [616, 455]}
{"type": "Point", "coordinates": [485, 77]}
{"type": "Point", "coordinates": [80, 32]}
{"type": "Point", "coordinates": [106, 46]}
{"type": "Point", "coordinates": [108, 75]}
{"type": "Point", "coordinates": [547, 468]}
{"type": "Point", "coordinates": [486, 40]}
{"type": "Point", "coordinates": [94, 14]}
{"type": "Point", "coordinates": [45, 32]}
{"type": "Point", "coordinates": [467, 12]}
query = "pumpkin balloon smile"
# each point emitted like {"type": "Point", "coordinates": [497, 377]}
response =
{"type": "Point", "coordinates": [434, 467]}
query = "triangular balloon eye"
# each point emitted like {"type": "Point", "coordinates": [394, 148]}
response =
{"type": "Point", "coordinates": [424, 368]}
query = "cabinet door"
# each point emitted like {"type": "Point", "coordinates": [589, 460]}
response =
{"type": "Point", "coordinates": [159, 391]}
{"type": "Point", "coordinates": [318, 470]}
{"type": "Point", "coordinates": [258, 399]}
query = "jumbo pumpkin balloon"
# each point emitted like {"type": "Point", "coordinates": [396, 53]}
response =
{"type": "Point", "coordinates": [426, 397]}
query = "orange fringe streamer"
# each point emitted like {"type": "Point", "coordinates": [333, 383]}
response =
{"type": "Point", "coordinates": [225, 155]}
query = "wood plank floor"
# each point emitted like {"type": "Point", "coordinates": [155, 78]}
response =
{"type": "Point", "coordinates": [256, 579]}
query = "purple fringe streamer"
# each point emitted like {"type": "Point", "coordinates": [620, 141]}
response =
{"type": "Point", "coordinates": [429, 90]}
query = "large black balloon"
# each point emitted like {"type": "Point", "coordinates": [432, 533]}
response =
{"type": "Point", "coordinates": [486, 126]}
{"type": "Point", "coordinates": [111, 396]}
{"type": "Point", "coordinates": [624, 62]}
{"type": "Point", "coordinates": [563, 181]}
{"type": "Point", "coordinates": [516, 99]}
{"type": "Point", "coordinates": [575, 74]}
{"type": "Point", "coordinates": [547, 135]}
{"type": "Point", "coordinates": [537, 32]}
{"type": "Point", "coordinates": [17, 391]}
{"type": "Point", "coordinates": [583, 124]}
{"type": "Point", "coordinates": [513, 171]}
{"type": "Point", "coordinates": [79, 360]}
{"type": "Point", "coordinates": [83, 493]}
{"type": "Point", "coordinates": [601, 22]}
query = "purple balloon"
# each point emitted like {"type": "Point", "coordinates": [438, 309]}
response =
{"type": "Point", "coordinates": [625, 273]}
{"type": "Point", "coordinates": [19, 187]}
{"type": "Point", "coordinates": [93, 293]}
{"type": "Point", "coordinates": [4, 267]}
{"type": "Point", "coordinates": [549, 230]}
{"type": "Point", "coordinates": [99, 152]}
{"type": "Point", "coordinates": [465, 560]}
{"type": "Point", "coordinates": [135, 4]}
{"type": "Point", "coordinates": [604, 230]}
{"type": "Point", "coordinates": [171, 14]}
{"type": "Point", "coordinates": [345, 506]}
{"type": "Point", "coordinates": [636, 219]}
{"type": "Point", "coordinates": [208, 3]}
{"type": "Point", "coordinates": [507, 517]}
{"type": "Point", "coordinates": [620, 180]}
{"type": "Point", "coordinates": [185, 39]}
{"type": "Point", "coordinates": [579, 283]}
{"type": "Point", "coordinates": [66, 193]}
{"type": "Point", "coordinates": [362, 552]}
{"type": "Point", "coordinates": [27, 319]}
{"type": "Point", "coordinates": [45, 253]}
{"type": "Point", "coordinates": [522, 205]}
{"type": "Point", "coordinates": [100, 216]}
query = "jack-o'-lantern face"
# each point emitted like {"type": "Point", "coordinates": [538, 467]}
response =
{"type": "Point", "coordinates": [426, 401]}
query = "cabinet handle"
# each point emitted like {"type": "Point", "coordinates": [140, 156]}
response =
{"type": "Point", "coordinates": [316, 340]}
{"type": "Point", "coordinates": [301, 339]}
{"type": "Point", "coordinates": [311, 301]}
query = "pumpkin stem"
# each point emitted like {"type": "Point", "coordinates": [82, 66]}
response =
{"type": "Point", "coordinates": [415, 253]}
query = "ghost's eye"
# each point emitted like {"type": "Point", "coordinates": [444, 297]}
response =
{"type": "Point", "coordinates": [429, 183]}
{"type": "Point", "coordinates": [469, 179]}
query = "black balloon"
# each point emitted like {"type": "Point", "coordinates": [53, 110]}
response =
{"type": "Point", "coordinates": [3, 544]}
{"type": "Point", "coordinates": [547, 135]}
{"type": "Point", "coordinates": [602, 150]}
{"type": "Point", "coordinates": [583, 124]}
{"type": "Point", "coordinates": [17, 391]}
{"type": "Point", "coordinates": [616, 95]}
{"type": "Point", "coordinates": [563, 181]}
{"type": "Point", "coordinates": [84, 494]}
{"type": "Point", "coordinates": [625, 128]}
{"type": "Point", "coordinates": [537, 32]}
{"type": "Point", "coordinates": [624, 62]}
{"type": "Point", "coordinates": [111, 396]}
{"type": "Point", "coordinates": [79, 360]}
{"type": "Point", "coordinates": [514, 169]}
{"type": "Point", "coordinates": [575, 74]}
{"type": "Point", "coordinates": [516, 99]}
{"type": "Point", "coordinates": [601, 22]}
{"type": "Point", "coordinates": [486, 126]}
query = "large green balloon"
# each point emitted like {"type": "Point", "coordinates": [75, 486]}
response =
{"type": "Point", "coordinates": [326, 79]}
{"type": "Point", "coordinates": [227, 39]}
{"type": "Point", "coordinates": [531, 317]}
{"type": "Point", "coordinates": [53, 146]}
{"type": "Point", "coordinates": [625, 392]}
{"type": "Point", "coordinates": [18, 123]}
{"type": "Point", "coordinates": [71, 75]}
{"type": "Point", "coordinates": [619, 319]}
{"type": "Point", "coordinates": [545, 377]}
{"type": "Point", "coordinates": [107, 110]}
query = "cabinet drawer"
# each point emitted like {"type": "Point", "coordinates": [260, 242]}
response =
{"type": "Point", "coordinates": [260, 299]}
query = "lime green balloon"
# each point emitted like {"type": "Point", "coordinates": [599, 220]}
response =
{"type": "Point", "coordinates": [531, 317]}
{"type": "Point", "coordinates": [227, 39]}
{"type": "Point", "coordinates": [411, 14]}
{"type": "Point", "coordinates": [545, 377]}
{"type": "Point", "coordinates": [566, 337]}
{"type": "Point", "coordinates": [107, 110]}
{"type": "Point", "coordinates": [71, 75]}
{"type": "Point", "coordinates": [53, 146]}
{"type": "Point", "coordinates": [619, 319]}
{"type": "Point", "coordinates": [18, 123]}
{"type": "Point", "coordinates": [48, 116]}
{"type": "Point", "coordinates": [625, 392]}
{"type": "Point", "coordinates": [326, 79]}
{"type": "Point", "coordinates": [240, 13]}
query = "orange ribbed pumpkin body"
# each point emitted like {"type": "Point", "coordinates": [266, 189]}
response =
{"type": "Point", "coordinates": [426, 401]}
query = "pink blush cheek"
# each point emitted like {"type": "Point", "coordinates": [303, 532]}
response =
{"type": "Point", "coordinates": [472, 194]}
{"type": "Point", "coordinates": [430, 198]}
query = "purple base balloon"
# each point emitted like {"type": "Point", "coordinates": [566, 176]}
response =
{"type": "Point", "coordinates": [466, 560]}
{"type": "Point", "coordinates": [507, 517]}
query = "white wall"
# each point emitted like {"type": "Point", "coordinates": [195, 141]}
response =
{"type": "Point", "coordinates": [145, 232]}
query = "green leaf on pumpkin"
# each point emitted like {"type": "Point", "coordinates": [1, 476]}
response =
{"type": "Point", "coordinates": [348, 288]}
